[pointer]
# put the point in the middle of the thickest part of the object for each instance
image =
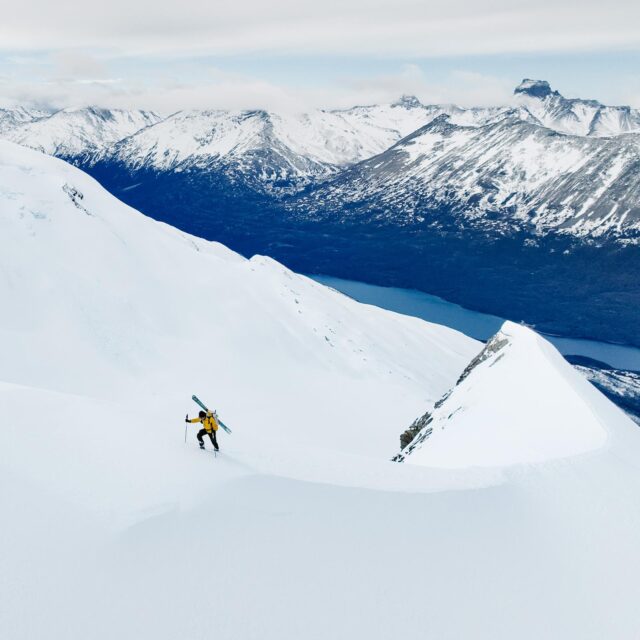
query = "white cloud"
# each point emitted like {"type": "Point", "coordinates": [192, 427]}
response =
{"type": "Point", "coordinates": [337, 27]}
{"type": "Point", "coordinates": [216, 88]}
{"type": "Point", "coordinates": [460, 87]}
{"type": "Point", "coordinates": [98, 53]}
{"type": "Point", "coordinates": [77, 64]}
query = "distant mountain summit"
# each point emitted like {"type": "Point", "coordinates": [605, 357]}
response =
{"type": "Point", "coordinates": [534, 88]}
{"type": "Point", "coordinates": [408, 102]}
{"type": "Point", "coordinates": [477, 161]}
{"type": "Point", "coordinates": [575, 116]}
{"type": "Point", "coordinates": [15, 117]}
{"type": "Point", "coordinates": [78, 132]}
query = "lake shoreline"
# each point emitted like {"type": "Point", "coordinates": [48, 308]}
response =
{"type": "Point", "coordinates": [475, 324]}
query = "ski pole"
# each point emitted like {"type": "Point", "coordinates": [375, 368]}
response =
{"type": "Point", "coordinates": [185, 428]}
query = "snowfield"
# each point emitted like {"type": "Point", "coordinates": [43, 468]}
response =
{"type": "Point", "coordinates": [523, 527]}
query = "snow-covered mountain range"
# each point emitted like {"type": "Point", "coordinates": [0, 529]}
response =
{"type": "Point", "coordinates": [529, 210]}
{"type": "Point", "coordinates": [305, 142]}
{"type": "Point", "coordinates": [115, 525]}
{"type": "Point", "coordinates": [505, 160]}
{"type": "Point", "coordinates": [620, 386]}
{"type": "Point", "coordinates": [330, 138]}
{"type": "Point", "coordinates": [506, 175]}
{"type": "Point", "coordinates": [73, 133]}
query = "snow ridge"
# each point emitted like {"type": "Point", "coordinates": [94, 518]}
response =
{"type": "Point", "coordinates": [517, 402]}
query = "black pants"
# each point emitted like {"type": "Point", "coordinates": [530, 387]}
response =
{"type": "Point", "coordinates": [212, 435]}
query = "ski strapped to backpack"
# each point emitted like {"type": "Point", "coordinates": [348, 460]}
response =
{"type": "Point", "coordinates": [201, 404]}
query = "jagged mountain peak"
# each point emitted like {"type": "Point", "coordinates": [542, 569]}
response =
{"type": "Point", "coordinates": [442, 124]}
{"type": "Point", "coordinates": [260, 114]}
{"type": "Point", "coordinates": [541, 90]}
{"type": "Point", "coordinates": [535, 88]}
{"type": "Point", "coordinates": [408, 102]}
{"type": "Point", "coordinates": [575, 116]}
{"type": "Point", "coordinates": [91, 109]}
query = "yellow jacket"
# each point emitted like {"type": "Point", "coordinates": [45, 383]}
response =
{"type": "Point", "coordinates": [209, 423]}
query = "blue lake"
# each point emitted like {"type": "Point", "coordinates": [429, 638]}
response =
{"type": "Point", "coordinates": [477, 325]}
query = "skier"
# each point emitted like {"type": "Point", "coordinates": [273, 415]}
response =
{"type": "Point", "coordinates": [210, 426]}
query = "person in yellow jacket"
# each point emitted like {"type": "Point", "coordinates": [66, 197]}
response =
{"type": "Point", "coordinates": [209, 426]}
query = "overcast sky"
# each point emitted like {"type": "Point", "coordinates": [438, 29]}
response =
{"type": "Point", "coordinates": [293, 54]}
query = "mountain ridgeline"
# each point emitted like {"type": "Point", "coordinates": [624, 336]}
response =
{"type": "Point", "coordinates": [529, 211]}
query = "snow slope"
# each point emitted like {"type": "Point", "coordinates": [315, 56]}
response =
{"type": "Point", "coordinates": [133, 306]}
{"type": "Point", "coordinates": [113, 527]}
{"type": "Point", "coordinates": [518, 402]}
